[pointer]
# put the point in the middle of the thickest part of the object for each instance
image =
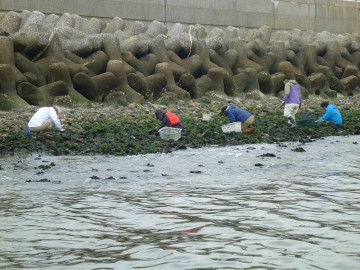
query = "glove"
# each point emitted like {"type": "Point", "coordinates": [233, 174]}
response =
{"type": "Point", "coordinates": [153, 132]}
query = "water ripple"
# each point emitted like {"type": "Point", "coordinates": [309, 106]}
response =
{"type": "Point", "coordinates": [297, 211]}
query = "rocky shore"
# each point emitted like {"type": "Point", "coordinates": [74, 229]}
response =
{"type": "Point", "coordinates": [114, 130]}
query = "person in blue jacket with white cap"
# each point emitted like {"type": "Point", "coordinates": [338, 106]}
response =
{"type": "Point", "coordinates": [332, 114]}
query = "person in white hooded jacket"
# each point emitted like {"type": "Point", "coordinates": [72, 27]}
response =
{"type": "Point", "coordinates": [45, 119]}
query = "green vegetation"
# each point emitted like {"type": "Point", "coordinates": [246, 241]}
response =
{"type": "Point", "coordinates": [130, 136]}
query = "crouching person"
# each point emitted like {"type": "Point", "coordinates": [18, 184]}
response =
{"type": "Point", "coordinates": [332, 114]}
{"type": "Point", "coordinates": [168, 119]}
{"type": "Point", "coordinates": [239, 115]}
{"type": "Point", "coordinates": [44, 119]}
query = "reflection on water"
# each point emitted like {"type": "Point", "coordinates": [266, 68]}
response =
{"type": "Point", "coordinates": [195, 209]}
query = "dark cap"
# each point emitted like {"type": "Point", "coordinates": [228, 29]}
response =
{"type": "Point", "coordinates": [223, 108]}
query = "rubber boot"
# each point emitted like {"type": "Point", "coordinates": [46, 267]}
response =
{"type": "Point", "coordinates": [292, 122]}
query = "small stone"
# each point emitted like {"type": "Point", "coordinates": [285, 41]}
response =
{"type": "Point", "coordinates": [267, 155]}
{"type": "Point", "coordinates": [298, 149]}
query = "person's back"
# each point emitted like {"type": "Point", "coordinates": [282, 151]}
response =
{"type": "Point", "coordinates": [168, 119]}
{"type": "Point", "coordinates": [236, 114]}
{"type": "Point", "coordinates": [292, 93]}
{"type": "Point", "coordinates": [239, 115]}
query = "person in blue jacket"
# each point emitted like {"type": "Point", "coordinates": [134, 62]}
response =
{"type": "Point", "coordinates": [332, 114]}
{"type": "Point", "coordinates": [239, 115]}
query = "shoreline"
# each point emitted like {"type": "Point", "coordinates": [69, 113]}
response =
{"type": "Point", "coordinates": [122, 131]}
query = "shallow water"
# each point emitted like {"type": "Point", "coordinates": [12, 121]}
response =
{"type": "Point", "coordinates": [209, 208]}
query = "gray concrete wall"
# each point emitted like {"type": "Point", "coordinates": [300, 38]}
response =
{"type": "Point", "coordinates": [331, 15]}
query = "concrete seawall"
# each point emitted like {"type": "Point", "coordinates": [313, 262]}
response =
{"type": "Point", "coordinates": [318, 15]}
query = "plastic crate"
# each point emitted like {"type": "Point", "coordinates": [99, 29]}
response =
{"type": "Point", "coordinates": [169, 133]}
{"type": "Point", "coordinates": [206, 117]}
{"type": "Point", "coordinates": [232, 127]}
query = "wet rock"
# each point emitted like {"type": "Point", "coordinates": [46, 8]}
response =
{"type": "Point", "coordinates": [146, 171]}
{"type": "Point", "coordinates": [40, 172]}
{"type": "Point", "coordinates": [267, 155]}
{"type": "Point", "coordinates": [164, 174]}
{"type": "Point", "coordinates": [150, 165]}
{"type": "Point", "coordinates": [298, 149]}
{"type": "Point", "coordinates": [94, 177]}
{"type": "Point", "coordinates": [220, 162]}
{"type": "Point", "coordinates": [110, 178]}
{"type": "Point", "coordinates": [1, 168]}
{"type": "Point", "coordinates": [45, 167]}
{"type": "Point", "coordinates": [43, 180]}
{"type": "Point", "coordinates": [56, 182]}
{"type": "Point", "coordinates": [122, 177]}
{"type": "Point", "coordinates": [201, 165]}
{"type": "Point", "coordinates": [306, 139]}
{"type": "Point", "coordinates": [353, 143]}
{"type": "Point", "coordinates": [195, 171]}
{"type": "Point", "coordinates": [281, 145]}
{"type": "Point", "coordinates": [259, 165]}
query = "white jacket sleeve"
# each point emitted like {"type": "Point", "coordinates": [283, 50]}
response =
{"type": "Point", "coordinates": [55, 118]}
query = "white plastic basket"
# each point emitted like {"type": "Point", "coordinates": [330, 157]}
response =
{"type": "Point", "coordinates": [206, 117]}
{"type": "Point", "coordinates": [169, 133]}
{"type": "Point", "coordinates": [232, 127]}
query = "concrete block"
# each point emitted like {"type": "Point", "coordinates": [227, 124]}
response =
{"type": "Point", "coordinates": [256, 20]}
{"type": "Point", "coordinates": [290, 22]}
{"type": "Point", "coordinates": [279, 14]}
{"type": "Point", "coordinates": [295, 9]}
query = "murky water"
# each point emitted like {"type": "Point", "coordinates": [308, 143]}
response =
{"type": "Point", "coordinates": [208, 208]}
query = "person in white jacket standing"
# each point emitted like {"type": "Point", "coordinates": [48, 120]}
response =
{"type": "Point", "coordinates": [45, 119]}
